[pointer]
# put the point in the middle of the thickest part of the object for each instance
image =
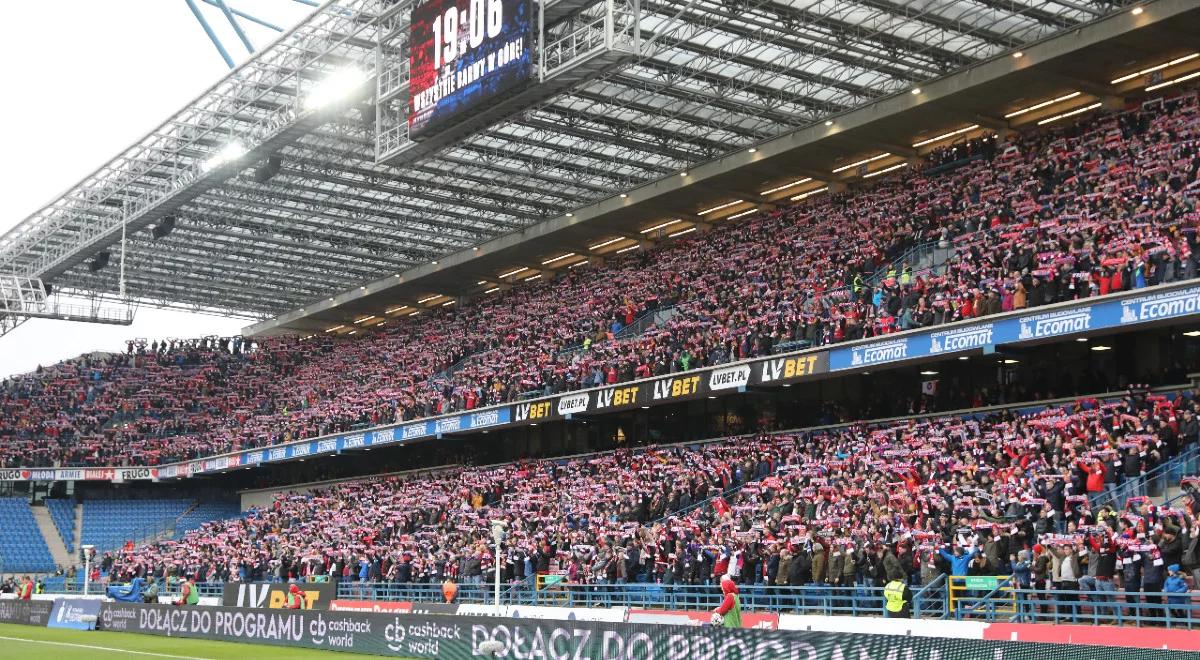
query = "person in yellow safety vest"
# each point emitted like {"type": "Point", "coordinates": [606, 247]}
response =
{"type": "Point", "coordinates": [189, 595]}
{"type": "Point", "coordinates": [295, 598]}
{"type": "Point", "coordinates": [729, 613]}
{"type": "Point", "coordinates": [449, 590]}
{"type": "Point", "coordinates": [897, 599]}
{"type": "Point", "coordinates": [26, 590]}
{"type": "Point", "coordinates": [906, 274]}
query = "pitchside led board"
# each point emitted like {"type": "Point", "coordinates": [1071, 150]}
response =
{"type": "Point", "coordinates": [464, 54]}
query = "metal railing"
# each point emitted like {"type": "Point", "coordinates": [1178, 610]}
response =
{"type": "Point", "coordinates": [1155, 483]}
{"type": "Point", "coordinates": [1115, 608]}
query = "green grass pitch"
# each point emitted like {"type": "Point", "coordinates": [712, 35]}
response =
{"type": "Point", "coordinates": [18, 641]}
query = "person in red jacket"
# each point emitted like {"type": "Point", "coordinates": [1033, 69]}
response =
{"type": "Point", "coordinates": [1095, 479]}
{"type": "Point", "coordinates": [295, 598]}
{"type": "Point", "coordinates": [26, 590]}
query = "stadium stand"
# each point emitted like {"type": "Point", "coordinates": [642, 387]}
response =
{"type": "Point", "coordinates": [62, 512]}
{"type": "Point", "coordinates": [1081, 210]}
{"type": "Point", "coordinates": [22, 548]}
{"type": "Point", "coordinates": [205, 511]}
{"type": "Point", "coordinates": [1053, 495]}
{"type": "Point", "coordinates": [110, 524]}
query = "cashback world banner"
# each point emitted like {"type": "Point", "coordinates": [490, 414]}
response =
{"type": "Point", "coordinates": [434, 636]}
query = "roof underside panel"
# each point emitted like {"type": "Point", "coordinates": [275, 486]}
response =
{"type": "Point", "coordinates": [717, 76]}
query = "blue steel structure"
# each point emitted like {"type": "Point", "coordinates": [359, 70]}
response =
{"type": "Point", "coordinates": [232, 15]}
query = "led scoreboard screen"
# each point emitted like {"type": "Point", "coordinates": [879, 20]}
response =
{"type": "Point", "coordinates": [464, 53]}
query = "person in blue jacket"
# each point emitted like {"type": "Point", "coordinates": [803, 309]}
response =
{"type": "Point", "coordinates": [1176, 584]}
{"type": "Point", "coordinates": [960, 560]}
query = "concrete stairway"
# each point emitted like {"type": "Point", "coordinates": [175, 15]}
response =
{"type": "Point", "coordinates": [58, 549]}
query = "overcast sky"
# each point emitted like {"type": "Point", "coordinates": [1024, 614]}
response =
{"type": "Point", "coordinates": [83, 80]}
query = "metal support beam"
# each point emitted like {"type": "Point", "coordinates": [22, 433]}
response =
{"type": "Point", "coordinates": [212, 36]}
{"type": "Point", "coordinates": [237, 28]}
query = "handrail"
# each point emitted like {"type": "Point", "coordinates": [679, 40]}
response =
{"type": "Point", "coordinates": [1127, 489]}
{"type": "Point", "coordinates": [937, 585]}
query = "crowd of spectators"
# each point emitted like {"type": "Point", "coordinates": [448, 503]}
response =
{"type": "Point", "coordinates": [1001, 493]}
{"type": "Point", "coordinates": [1103, 205]}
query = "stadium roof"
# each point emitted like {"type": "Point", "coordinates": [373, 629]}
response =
{"type": "Point", "coordinates": [713, 79]}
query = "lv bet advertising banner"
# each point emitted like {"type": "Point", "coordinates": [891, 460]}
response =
{"type": "Point", "coordinates": [455, 637]}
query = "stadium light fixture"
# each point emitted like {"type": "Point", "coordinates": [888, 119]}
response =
{"type": "Point", "coordinates": [1192, 333]}
{"type": "Point", "coordinates": [475, 248]}
{"type": "Point", "coordinates": [447, 303]}
{"type": "Point", "coordinates": [661, 225]}
{"type": "Point", "coordinates": [364, 319]}
{"type": "Point", "coordinates": [1137, 11]}
{"type": "Point", "coordinates": [743, 214]}
{"type": "Point", "coordinates": [481, 282]}
{"type": "Point", "coordinates": [1082, 339]}
{"type": "Point", "coordinates": [1168, 83]}
{"type": "Point", "coordinates": [1010, 361]}
{"type": "Point", "coordinates": [720, 206]}
{"type": "Point", "coordinates": [683, 174]}
{"type": "Point", "coordinates": [1101, 347]}
{"type": "Point", "coordinates": [570, 215]}
{"type": "Point", "coordinates": [624, 195]}
{"type": "Point", "coordinates": [885, 170]}
{"type": "Point", "coordinates": [943, 136]}
{"type": "Point", "coordinates": [1071, 113]}
{"type": "Point", "coordinates": [1018, 55]}
{"type": "Point", "coordinates": [797, 182]}
{"type": "Point", "coordinates": [227, 154]}
{"type": "Point", "coordinates": [492, 290]}
{"type": "Point", "coordinates": [624, 250]}
{"type": "Point", "coordinates": [1039, 106]}
{"type": "Point", "coordinates": [558, 258]}
{"type": "Point", "coordinates": [577, 263]}
{"type": "Point", "coordinates": [335, 328]}
{"type": "Point", "coordinates": [352, 332]}
{"type": "Point", "coordinates": [682, 232]}
{"type": "Point", "coordinates": [606, 243]}
{"type": "Point", "coordinates": [396, 309]}
{"type": "Point", "coordinates": [426, 299]}
{"type": "Point", "coordinates": [434, 262]}
{"type": "Point", "coordinates": [915, 91]}
{"type": "Point", "coordinates": [829, 122]}
{"type": "Point", "coordinates": [532, 278]}
{"type": "Point", "coordinates": [336, 87]}
{"type": "Point", "coordinates": [964, 357]}
{"type": "Point", "coordinates": [414, 313]}
{"type": "Point", "coordinates": [806, 195]}
{"type": "Point", "coordinates": [510, 273]}
{"type": "Point", "coordinates": [929, 372]}
{"type": "Point", "coordinates": [864, 161]}
{"type": "Point", "coordinates": [1157, 67]}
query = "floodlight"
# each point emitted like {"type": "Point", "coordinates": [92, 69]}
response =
{"type": "Point", "coordinates": [336, 87]}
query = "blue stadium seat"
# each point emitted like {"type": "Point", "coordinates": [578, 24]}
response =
{"type": "Point", "coordinates": [22, 548]}
{"type": "Point", "coordinates": [62, 512]}
{"type": "Point", "coordinates": [108, 524]}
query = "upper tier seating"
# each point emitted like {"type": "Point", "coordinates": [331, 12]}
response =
{"type": "Point", "coordinates": [1076, 210]}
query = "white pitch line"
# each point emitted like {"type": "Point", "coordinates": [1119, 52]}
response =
{"type": "Point", "coordinates": [101, 648]}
